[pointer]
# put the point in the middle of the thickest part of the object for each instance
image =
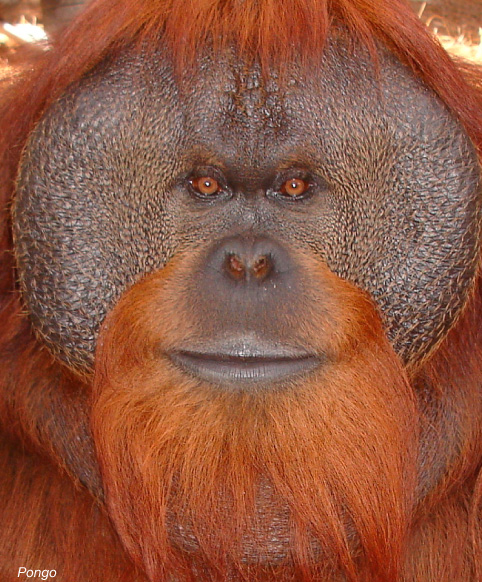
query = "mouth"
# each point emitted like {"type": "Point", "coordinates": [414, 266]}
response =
{"type": "Point", "coordinates": [249, 367]}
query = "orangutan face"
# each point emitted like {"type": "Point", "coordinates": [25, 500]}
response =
{"type": "Point", "coordinates": [270, 256]}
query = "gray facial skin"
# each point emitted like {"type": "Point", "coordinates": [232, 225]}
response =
{"type": "Point", "coordinates": [104, 196]}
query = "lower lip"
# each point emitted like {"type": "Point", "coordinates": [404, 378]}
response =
{"type": "Point", "coordinates": [229, 370]}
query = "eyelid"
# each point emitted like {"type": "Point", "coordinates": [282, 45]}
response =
{"type": "Point", "coordinates": [208, 172]}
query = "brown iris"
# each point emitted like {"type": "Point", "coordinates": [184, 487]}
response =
{"type": "Point", "coordinates": [205, 185]}
{"type": "Point", "coordinates": [294, 187]}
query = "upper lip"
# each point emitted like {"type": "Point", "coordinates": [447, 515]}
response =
{"type": "Point", "coordinates": [245, 364]}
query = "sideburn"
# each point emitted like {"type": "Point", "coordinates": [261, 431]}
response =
{"type": "Point", "coordinates": [308, 480]}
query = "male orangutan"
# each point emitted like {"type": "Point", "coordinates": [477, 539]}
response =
{"type": "Point", "coordinates": [241, 325]}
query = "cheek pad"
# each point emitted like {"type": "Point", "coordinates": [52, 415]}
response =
{"type": "Point", "coordinates": [83, 201]}
{"type": "Point", "coordinates": [407, 197]}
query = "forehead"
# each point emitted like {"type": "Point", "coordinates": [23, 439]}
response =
{"type": "Point", "coordinates": [229, 113]}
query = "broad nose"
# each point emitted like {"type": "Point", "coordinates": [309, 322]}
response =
{"type": "Point", "coordinates": [249, 261]}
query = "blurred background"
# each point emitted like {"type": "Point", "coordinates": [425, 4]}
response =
{"type": "Point", "coordinates": [457, 23]}
{"type": "Point", "coordinates": [50, 14]}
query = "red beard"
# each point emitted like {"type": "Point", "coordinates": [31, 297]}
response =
{"type": "Point", "coordinates": [309, 480]}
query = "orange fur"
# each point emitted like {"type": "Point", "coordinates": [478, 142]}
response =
{"type": "Point", "coordinates": [321, 458]}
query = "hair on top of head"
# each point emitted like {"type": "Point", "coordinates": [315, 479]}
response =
{"type": "Point", "coordinates": [272, 31]}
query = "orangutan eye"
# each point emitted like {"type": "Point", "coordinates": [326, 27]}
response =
{"type": "Point", "coordinates": [205, 186]}
{"type": "Point", "coordinates": [294, 187]}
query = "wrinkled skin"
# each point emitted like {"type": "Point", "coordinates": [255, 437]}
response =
{"type": "Point", "coordinates": [104, 199]}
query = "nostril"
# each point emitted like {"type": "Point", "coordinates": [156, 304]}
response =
{"type": "Point", "coordinates": [262, 267]}
{"type": "Point", "coordinates": [244, 268]}
{"type": "Point", "coordinates": [235, 266]}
